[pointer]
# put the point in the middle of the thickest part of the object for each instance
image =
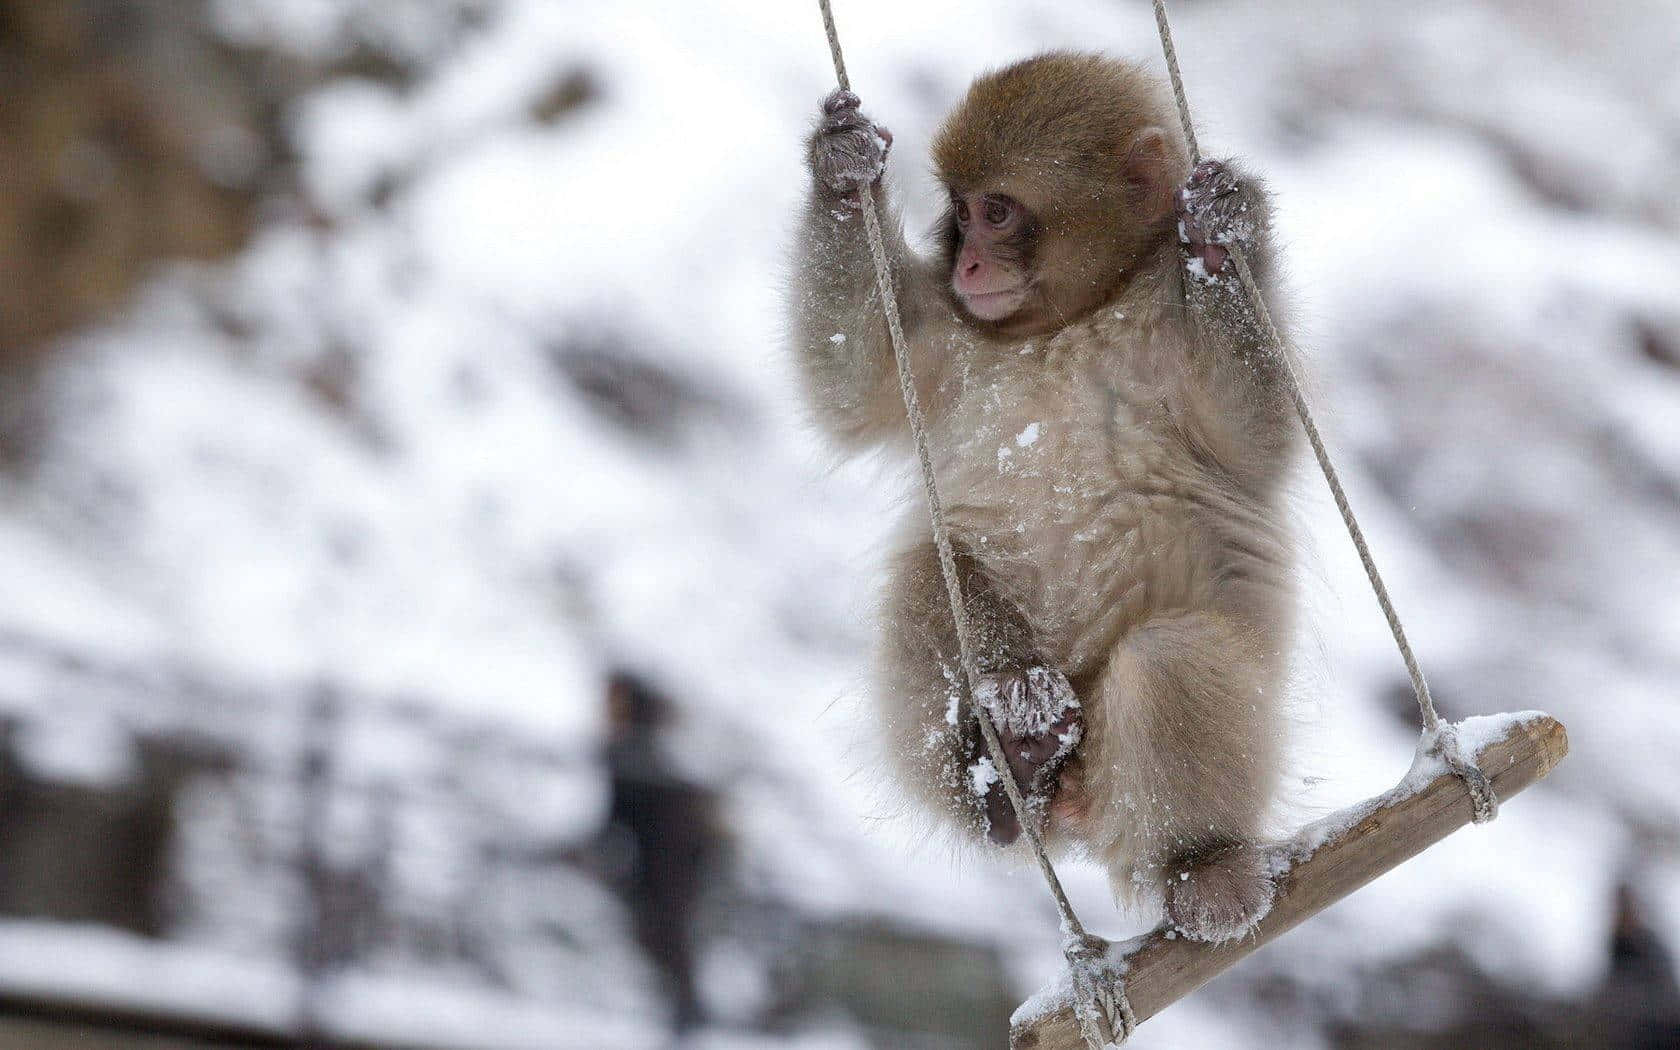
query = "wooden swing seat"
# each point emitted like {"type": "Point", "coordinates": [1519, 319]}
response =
{"type": "Point", "coordinates": [1320, 865]}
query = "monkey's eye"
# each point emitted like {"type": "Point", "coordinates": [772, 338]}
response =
{"type": "Point", "coordinates": [962, 212]}
{"type": "Point", "coordinates": [998, 211]}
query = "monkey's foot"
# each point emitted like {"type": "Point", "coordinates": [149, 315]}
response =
{"type": "Point", "coordinates": [1036, 714]}
{"type": "Point", "coordinates": [1219, 896]}
{"type": "Point", "coordinates": [1212, 216]}
{"type": "Point", "coordinates": [848, 150]}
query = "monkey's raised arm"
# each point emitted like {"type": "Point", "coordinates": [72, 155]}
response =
{"type": "Point", "coordinates": [1221, 208]}
{"type": "Point", "coordinates": [839, 331]}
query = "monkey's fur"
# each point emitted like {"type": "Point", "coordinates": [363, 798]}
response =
{"type": "Point", "coordinates": [1112, 471]}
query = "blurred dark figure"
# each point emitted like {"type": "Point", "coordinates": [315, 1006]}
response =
{"type": "Point", "coordinates": [1640, 996]}
{"type": "Point", "coordinates": [661, 838]}
{"type": "Point", "coordinates": [342, 910]}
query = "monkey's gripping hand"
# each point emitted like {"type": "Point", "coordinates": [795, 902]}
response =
{"type": "Point", "coordinates": [1213, 217]}
{"type": "Point", "coordinates": [1037, 718]}
{"type": "Point", "coordinates": [848, 150]}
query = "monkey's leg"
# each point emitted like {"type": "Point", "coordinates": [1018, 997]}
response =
{"type": "Point", "coordinates": [925, 709]}
{"type": "Point", "coordinates": [1180, 766]}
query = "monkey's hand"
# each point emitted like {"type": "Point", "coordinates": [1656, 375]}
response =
{"type": "Point", "coordinates": [1213, 217]}
{"type": "Point", "coordinates": [1037, 718]}
{"type": "Point", "coordinates": [848, 150]}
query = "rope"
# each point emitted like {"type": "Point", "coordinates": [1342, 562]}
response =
{"type": "Point", "coordinates": [1481, 793]}
{"type": "Point", "coordinates": [1177, 82]}
{"type": "Point", "coordinates": [1097, 1009]}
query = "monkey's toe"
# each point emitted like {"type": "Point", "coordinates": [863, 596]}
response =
{"type": "Point", "coordinates": [1028, 701]}
{"type": "Point", "coordinates": [1211, 256]}
{"type": "Point", "coordinates": [1220, 896]}
{"type": "Point", "coordinates": [1002, 828]}
{"type": "Point", "coordinates": [1036, 758]}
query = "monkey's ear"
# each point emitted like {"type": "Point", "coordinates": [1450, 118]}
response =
{"type": "Point", "coordinates": [1148, 173]}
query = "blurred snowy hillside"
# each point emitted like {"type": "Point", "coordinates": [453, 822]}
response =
{"type": "Point", "coordinates": [380, 377]}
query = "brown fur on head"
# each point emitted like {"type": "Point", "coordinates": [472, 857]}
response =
{"type": "Point", "coordinates": [1086, 143]}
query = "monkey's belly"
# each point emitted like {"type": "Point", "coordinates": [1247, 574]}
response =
{"type": "Point", "coordinates": [1084, 573]}
{"type": "Point", "coordinates": [1090, 512]}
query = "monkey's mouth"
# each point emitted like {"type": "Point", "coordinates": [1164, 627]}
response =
{"type": "Point", "coordinates": [993, 306]}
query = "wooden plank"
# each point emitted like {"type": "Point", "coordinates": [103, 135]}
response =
{"type": "Point", "coordinates": [1322, 864]}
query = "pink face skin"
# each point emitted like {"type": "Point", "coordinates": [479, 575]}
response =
{"type": "Point", "coordinates": [990, 285]}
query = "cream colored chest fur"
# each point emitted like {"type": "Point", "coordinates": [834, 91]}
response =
{"type": "Point", "coordinates": [1071, 480]}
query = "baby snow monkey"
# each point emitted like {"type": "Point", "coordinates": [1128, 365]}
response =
{"type": "Point", "coordinates": [1111, 439]}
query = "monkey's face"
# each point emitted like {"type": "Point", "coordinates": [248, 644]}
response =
{"type": "Point", "coordinates": [1062, 173]}
{"type": "Point", "coordinates": [1028, 260]}
{"type": "Point", "coordinates": [1021, 276]}
{"type": "Point", "coordinates": [991, 236]}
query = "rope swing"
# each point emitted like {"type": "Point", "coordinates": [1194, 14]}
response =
{"type": "Point", "coordinates": [1110, 988]}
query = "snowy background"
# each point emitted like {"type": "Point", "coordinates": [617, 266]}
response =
{"type": "Point", "coordinates": [318, 550]}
